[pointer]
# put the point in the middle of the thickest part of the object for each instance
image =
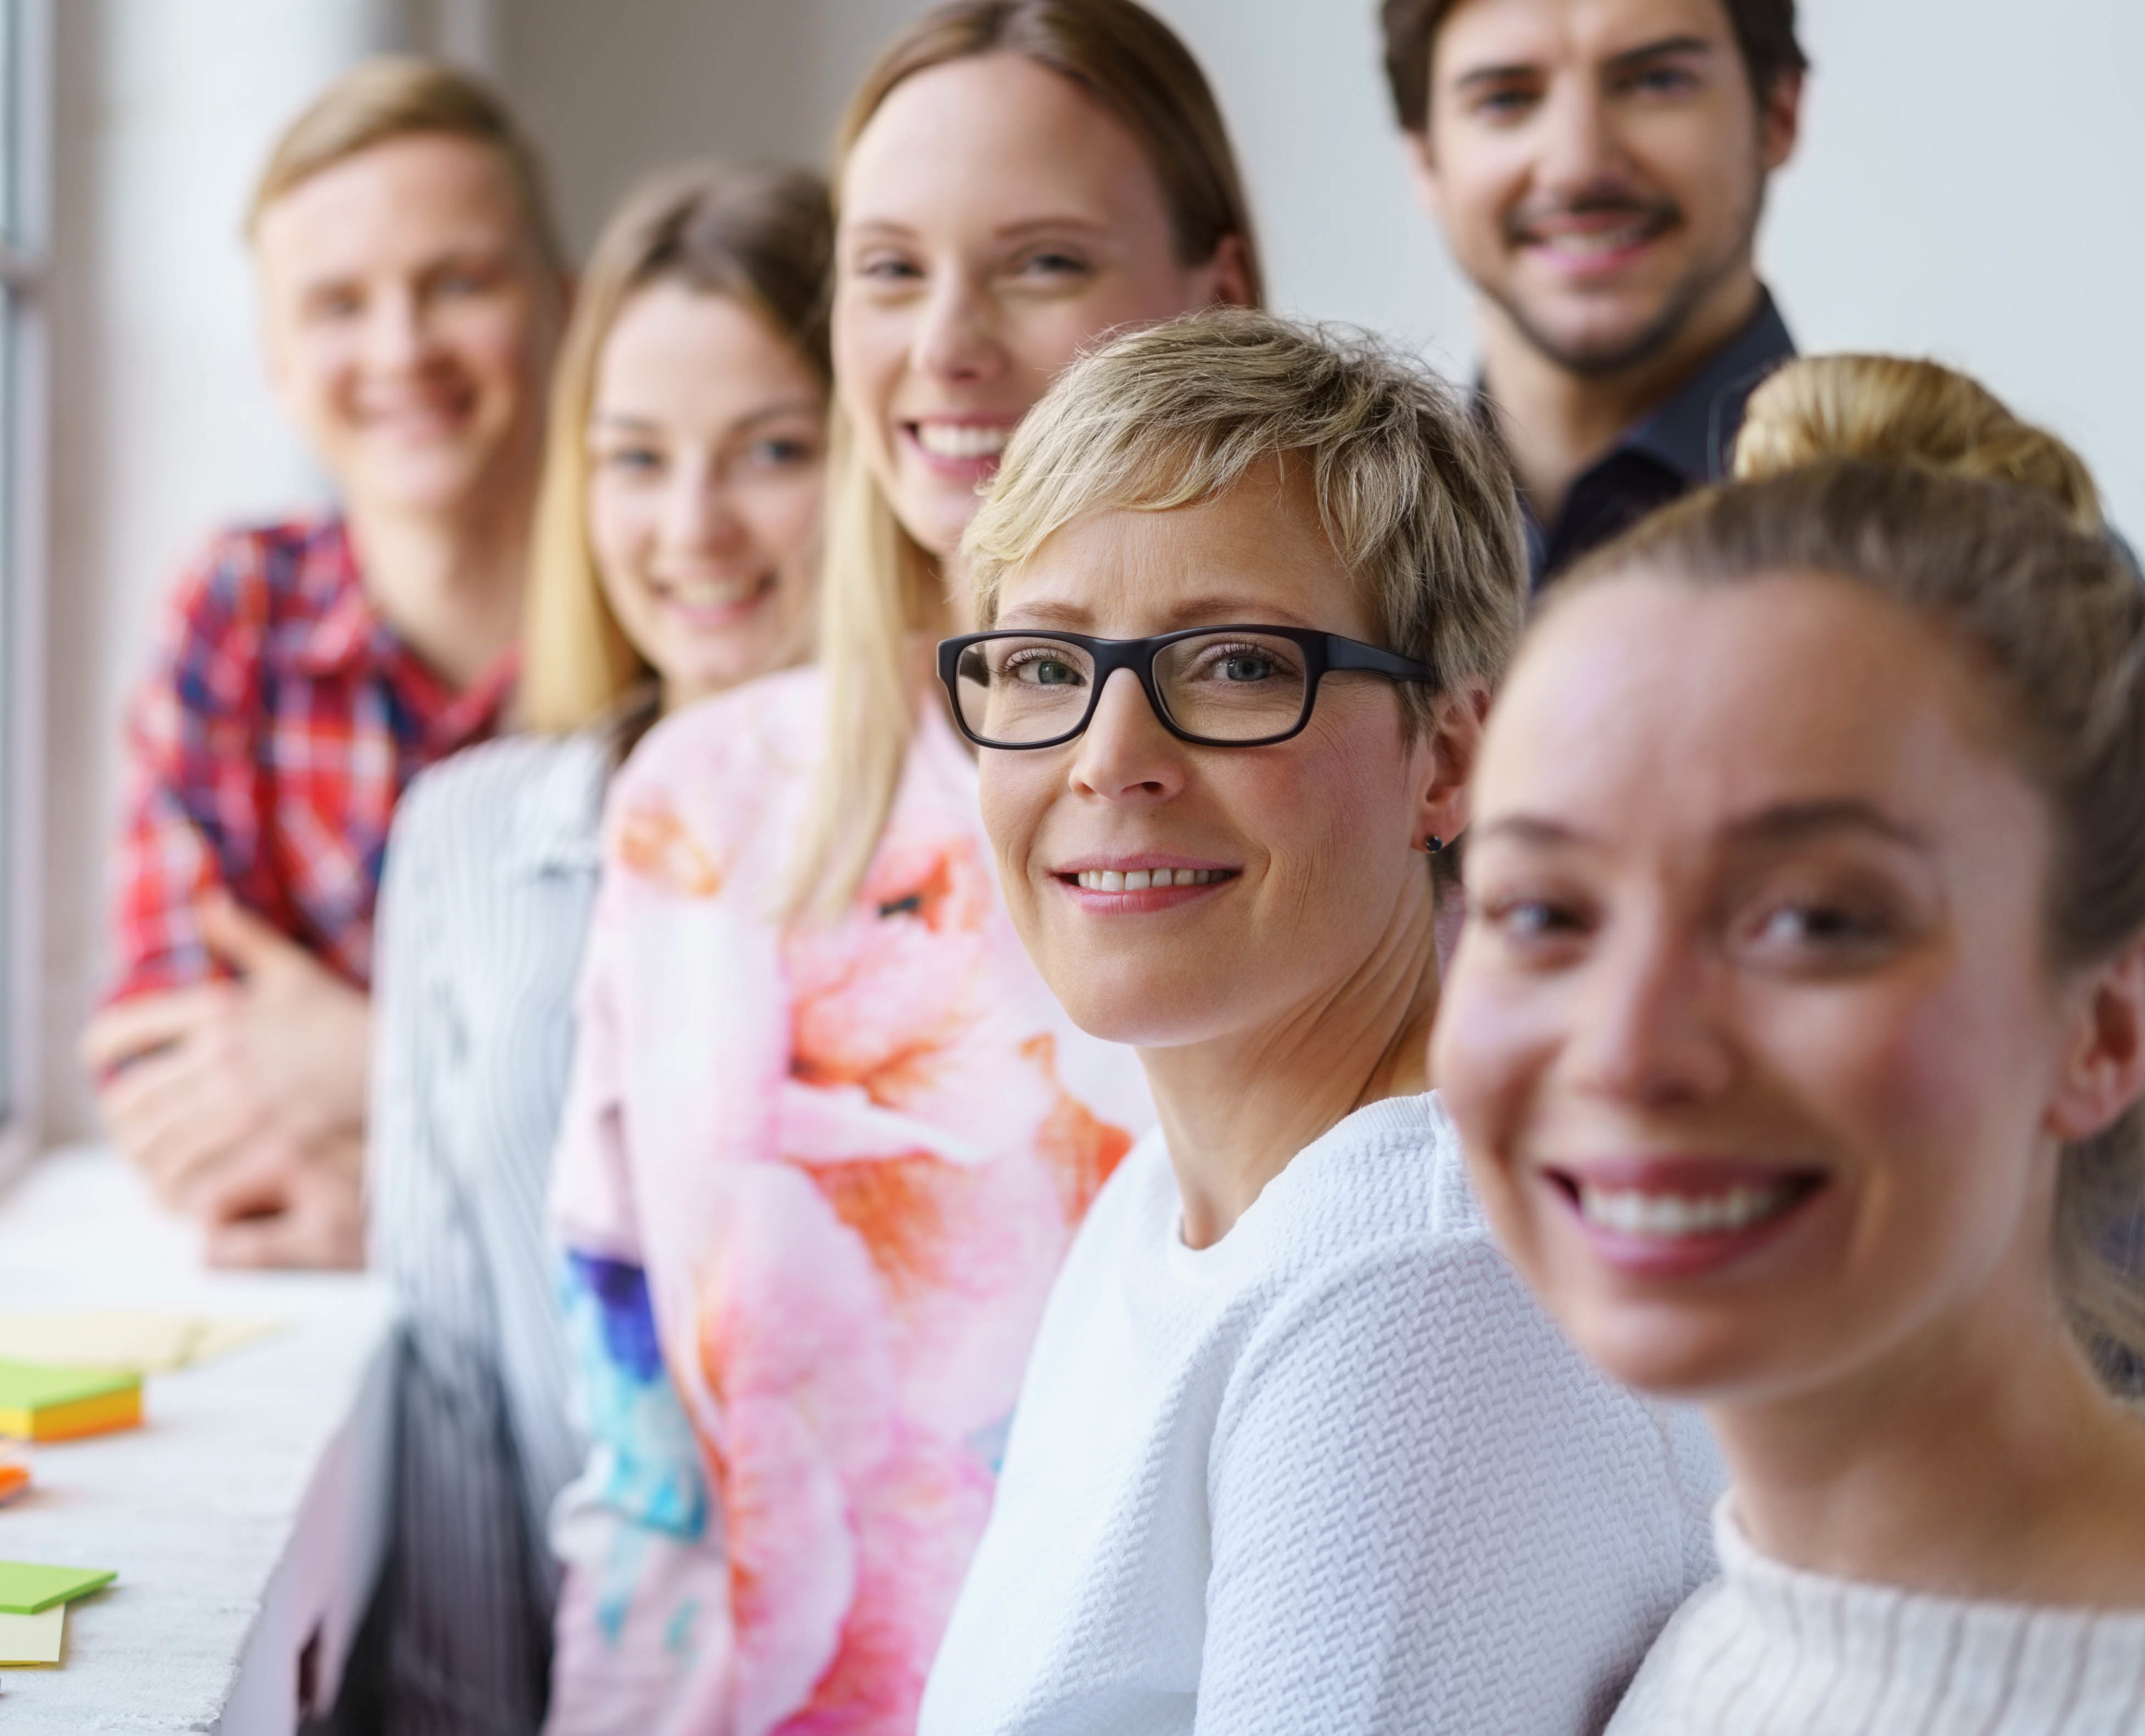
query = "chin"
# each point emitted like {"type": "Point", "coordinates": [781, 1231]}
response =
{"type": "Point", "coordinates": [435, 483]}
{"type": "Point", "coordinates": [1131, 1003]}
{"type": "Point", "coordinates": [1670, 1352]}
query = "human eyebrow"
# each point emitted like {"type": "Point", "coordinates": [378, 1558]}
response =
{"type": "Point", "coordinates": [1791, 823]}
{"type": "Point", "coordinates": [1030, 227]}
{"type": "Point", "coordinates": [1217, 611]}
{"type": "Point", "coordinates": [1529, 828]}
{"type": "Point", "coordinates": [1668, 47]}
{"type": "Point", "coordinates": [1479, 77]}
{"type": "Point", "coordinates": [778, 412]}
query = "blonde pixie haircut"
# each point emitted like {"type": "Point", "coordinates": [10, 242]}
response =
{"type": "Point", "coordinates": [402, 96]}
{"type": "Point", "coordinates": [759, 237]}
{"type": "Point", "coordinates": [880, 589]}
{"type": "Point", "coordinates": [1412, 488]}
{"type": "Point", "coordinates": [1894, 410]}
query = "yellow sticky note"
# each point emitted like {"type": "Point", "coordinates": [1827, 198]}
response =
{"type": "Point", "coordinates": [143, 1344]}
{"type": "Point", "coordinates": [33, 1639]}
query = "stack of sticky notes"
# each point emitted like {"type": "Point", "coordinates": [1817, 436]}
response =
{"type": "Point", "coordinates": [104, 1338]}
{"type": "Point", "coordinates": [33, 1605]}
{"type": "Point", "coordinates": [38, 1403]}
{"type": "Point", "coordinates": [14, 1476]}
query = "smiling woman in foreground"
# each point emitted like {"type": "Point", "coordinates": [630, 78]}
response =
{"type": "Point", "coordinates": [1797, 1035]}
{"type": "Point", "coordinates": [1295, 1451]}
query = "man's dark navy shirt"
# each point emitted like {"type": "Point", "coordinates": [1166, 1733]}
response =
{"type": "Point", "coordinates": [1685, 444]}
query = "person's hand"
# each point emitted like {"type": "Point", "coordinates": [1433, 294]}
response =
{"type": "Point", "coordinates": [211, 1077]}
{"type": "Point", "coordinates": [290, 1207]}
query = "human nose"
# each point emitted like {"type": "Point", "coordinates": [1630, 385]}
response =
{"type": "Point", "coordinates": [1651, 1033]}
{"type": "Point", "coordinates": [397, 335]}
{"type": "Point", "coordinates": [1125, 753]}
{"type": "Point", "coordinates": [699, 516]}
{"type": "Point", "coordinates": [955, 338]}
{"type": "Point", "coordinates": [1578, 140]}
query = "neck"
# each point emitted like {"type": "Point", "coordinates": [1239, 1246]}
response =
{"type": "Point", "coordinates": [1557, 423]}
{"type": "Point", "coordinates": [450, 585]}
{"type": "Point", "coordinates": [1980, 1459]}
{"type": "Point", "coordinates": [1236, 1109]}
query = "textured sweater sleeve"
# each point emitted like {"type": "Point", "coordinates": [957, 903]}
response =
{"type": "Point", "coordinates": [469, 1652]}
{"type": "Point", "coordinates": [1414, 1480]}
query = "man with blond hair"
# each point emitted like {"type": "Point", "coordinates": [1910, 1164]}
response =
{"type": "Point", "coordinates": [412, 291]}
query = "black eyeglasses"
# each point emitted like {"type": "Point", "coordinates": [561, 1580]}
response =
{"type": "Point", "coordinates": [1221, 687]}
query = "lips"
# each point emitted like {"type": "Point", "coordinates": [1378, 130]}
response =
{"type": "Point", "coordinates": [714, 604]}
{"type": "Point", "coordinates": [1589, 239]}
{"type": "Point", "coordinates": [966, 449]}
{"type": "Point", "coordinates": [1134, 885]}
{"type": "Point", "coordinates": [1682, 1217]}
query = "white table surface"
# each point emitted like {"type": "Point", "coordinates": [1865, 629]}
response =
{"type": "Point", "coordinates": [247, 1519]}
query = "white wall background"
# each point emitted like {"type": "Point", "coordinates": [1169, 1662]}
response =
{"type": "Point", "coordinates": [1968, 188]}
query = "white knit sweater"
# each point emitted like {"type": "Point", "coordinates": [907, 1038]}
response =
{"type": "Point", "coordinates": [1767, 1647]}
{"type": "Point", "coordinates": [1336, 1473]}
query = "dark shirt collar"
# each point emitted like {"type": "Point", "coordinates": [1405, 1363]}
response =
{"type": "Point", "coordinates": [1685, 442]}
{"type": "Point", "coordinates": [1693, 433]}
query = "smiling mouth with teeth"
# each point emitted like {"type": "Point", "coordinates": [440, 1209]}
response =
{"type": "Point", "coordinates": [1145, 879]}
{"type": "Point", "coordinates": [962, 439]}
{"type": "Point", "coordinates": [728, 595]}
{"type": "Point", "coordinates": [1677, 1215]}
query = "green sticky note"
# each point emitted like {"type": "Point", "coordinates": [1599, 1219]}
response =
{"type": "Point", "coordinates": [28, 1590]}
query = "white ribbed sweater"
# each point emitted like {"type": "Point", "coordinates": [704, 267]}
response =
{"type": "Point", "coordinates": [1335, 1475]}
{"type": "Point", "coordinates": [1768, 1649]}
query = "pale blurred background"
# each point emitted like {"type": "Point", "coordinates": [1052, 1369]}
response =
{"type": "Point", "coordinates": [1967, 189]}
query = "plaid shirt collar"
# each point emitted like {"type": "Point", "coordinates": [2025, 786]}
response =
{"type": "Point", "coordinates": [347, 636]}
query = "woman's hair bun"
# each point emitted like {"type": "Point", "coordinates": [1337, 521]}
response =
{"type": "Point", "coordinates": [1891, 410]}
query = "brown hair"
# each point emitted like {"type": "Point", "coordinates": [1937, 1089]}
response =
{"type": "Point", "coordinates": [2055, 618]}
{"type": "Point", "coordinates": [1894, 410]}
{"type": "Point", "coordinates": [1413, 488]}
{"type": "Point", "coordinates": [397, 95]}
{"type": "Point", "coordinates": [879, 585]}
{"type": "Point", "coordinates": [760, 237]}
{"type": "Point", "coordinates": [1764, 33]}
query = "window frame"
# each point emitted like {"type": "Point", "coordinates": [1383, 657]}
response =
{"type": "Point", "coordinates": [26, 112]}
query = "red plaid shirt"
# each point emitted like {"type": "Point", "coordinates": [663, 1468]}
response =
{"type": "Point", "coordinates": [266, 749]}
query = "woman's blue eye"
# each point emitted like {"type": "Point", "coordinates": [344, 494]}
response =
{"type": "Point", "coordinates": [1247, 666]}
{"type": "Point", "coordinates": [633, 458]}
{"type": "Point", "coordinates": [1820, 925]}
{"type": "Point", "coordinates": [1054, 264]}
{"type": "Point", "coordinates": [784, 452]}
{"type": "Point", "coordinates": [1050, 673]}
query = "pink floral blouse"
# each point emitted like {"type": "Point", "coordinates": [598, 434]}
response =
{"type": "Point", "coordinates": [813, 1188]}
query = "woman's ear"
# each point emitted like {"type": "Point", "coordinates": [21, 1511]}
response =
{"type": "Point", "coordinates": [1446, 753]}
{"type": "Point", "coordinates": [2104, 1073]}
{"type": "Point", "coordinates": [1229, 274]}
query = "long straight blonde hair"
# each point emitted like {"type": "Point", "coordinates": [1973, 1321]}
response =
{"type": "Point", "coordinates": [760, 237]}
{"type": "Point", "coordinates": [880, 588]}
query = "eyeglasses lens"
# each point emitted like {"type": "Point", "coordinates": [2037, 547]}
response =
{"type": "Point", "coordinates": [1223, 686]}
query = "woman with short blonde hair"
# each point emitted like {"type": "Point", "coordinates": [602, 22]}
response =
{"type": "Point", "coordinates": [676, 528]}
{"type": "Point", "coordinates": [828, 1135]}
{"type": "Point", "coordinates": [1296, 1451]}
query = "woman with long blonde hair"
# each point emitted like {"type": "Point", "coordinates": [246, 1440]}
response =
{"type": "Point", "coordinates": [828, 1134]}
{"type": "Point", "coordinates": [676, 527]}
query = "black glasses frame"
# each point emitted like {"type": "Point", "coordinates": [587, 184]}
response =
{"type": "Point", "coordinates": [1323, 653]}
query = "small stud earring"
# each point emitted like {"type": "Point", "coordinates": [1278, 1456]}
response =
{"type": "Point", "coordinates": [1434, 845]}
